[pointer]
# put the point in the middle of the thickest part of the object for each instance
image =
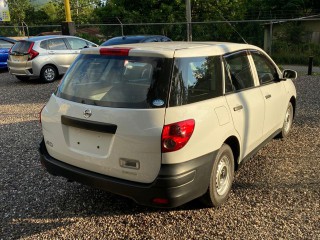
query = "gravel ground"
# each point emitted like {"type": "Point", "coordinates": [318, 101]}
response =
{"type": "Point", "coordinates": [275, 195]}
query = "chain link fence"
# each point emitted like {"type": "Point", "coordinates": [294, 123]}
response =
{"type": "Point", "coordinates": [289, 41]}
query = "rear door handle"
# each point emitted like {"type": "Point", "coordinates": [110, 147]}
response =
{"type": "Point", "coordinates": [237, 108]}
{"type": "Point", "coordinates": [268, 96]}
{"type": "Point", "coordinates": [51, 52]}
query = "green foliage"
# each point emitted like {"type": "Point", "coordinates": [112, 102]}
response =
{"type": "Point", "coordinates": [18, 9]}
{"type": "Point", "coordinates": [295, 53]}
{"type": "Point", "coordinates": [53, 12]}
{"type": "Point", "coordinates": [126, 11]}
{"type": "Point", "coordinates": [90, 38]}
{"type": "Point", "coordinates": [291, 45]}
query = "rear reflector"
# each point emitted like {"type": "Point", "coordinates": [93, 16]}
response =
{"type": "Point", "coordinates": [160, 201]}
{"type": "Point", "coordinates": [115, 51]}
{"type": "Point", "coordinates": [176, 135]}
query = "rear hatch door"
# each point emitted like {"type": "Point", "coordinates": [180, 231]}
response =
{"type": "Point", "coordinates": [107, 115]}
{"type": "Point", "coordinates": [20, 54]}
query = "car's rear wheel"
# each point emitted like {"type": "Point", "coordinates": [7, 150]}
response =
{"type": "Point", "coordinates": [48, 74]}
{"type": "Point", "coordinates": [221, 179]}
{"type": "Point", "coordinates": [23, 78]}
{"type": "Point", "coordinates": [287, 123]}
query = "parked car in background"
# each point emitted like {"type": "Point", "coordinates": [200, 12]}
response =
{"type": "Point", "coordinates": [136, 39]}
{"type": "Point", "coordinates": [5, 45]}
{"type": "Point", "coordinates": [46, 57]}
{"type": "Point", "coordinates": [165, 123]}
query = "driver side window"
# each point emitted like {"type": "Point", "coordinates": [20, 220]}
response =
{"type": "Point", "coordinates": [265, 69]}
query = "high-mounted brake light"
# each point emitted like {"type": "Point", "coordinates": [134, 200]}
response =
{"type": "Point", "coordinates": [115, 51]}
{"type": "Point", "coordinates": [176, 135]}
{"type": "Point", "coordinates": [32, 53]}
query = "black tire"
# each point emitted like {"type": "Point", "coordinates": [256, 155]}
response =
{"type": "Point", "coordinates": [287, 122]}
{"type": "Point", "coordinates": [23, 78]}
{"type": "Point", "coordinates": [48, 74]}
{"type": "Point", "coordinates": [221, 179]}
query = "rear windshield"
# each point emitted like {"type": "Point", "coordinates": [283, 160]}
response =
{"type": "Point", "coordinates": [21, 47]}
{"type": "Point", "coordinates": [117, 81]}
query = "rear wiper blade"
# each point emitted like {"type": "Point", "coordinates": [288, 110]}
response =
{"type": "Point", "coordinates": [16, 53]}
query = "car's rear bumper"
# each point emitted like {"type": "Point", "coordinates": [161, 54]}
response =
{"type": "Point", "coordinates": [20, 68]}
{"type": "Point", "coordinates": [175, 185]}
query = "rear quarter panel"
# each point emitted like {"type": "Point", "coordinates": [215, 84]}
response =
{"type": "Point", "coordinates": [213, 125]}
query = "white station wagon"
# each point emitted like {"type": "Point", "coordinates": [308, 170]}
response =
{"type": "Point", "coordinates": [165, 123]}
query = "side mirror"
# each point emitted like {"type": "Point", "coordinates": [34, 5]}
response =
{"type": "Point", "coordinates": [288, 73]}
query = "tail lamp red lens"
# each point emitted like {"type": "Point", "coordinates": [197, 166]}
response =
{"type": "Point", "coordinates": [115, 51]}
{"type": "Point", "coordinates": [176, 135]}
{"type": "Point", "coordinates": [32, 53]}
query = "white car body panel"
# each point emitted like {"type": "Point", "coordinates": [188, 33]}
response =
{"type": "Point", "coordinates": [274, 106]}
{"type": "Point", "coordinates": [137, 138]}
{"type": "Point", "coordinates": [248, 121]}
{"type": "Point", "coordinates": [245, 118]}
{"type": "Point", "coordinates": [208, 134]}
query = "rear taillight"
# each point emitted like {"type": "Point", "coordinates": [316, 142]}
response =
{"type": "Point", "coordinates": [32, 53]}
{"type": "Point", "coordinates": [176, 135]}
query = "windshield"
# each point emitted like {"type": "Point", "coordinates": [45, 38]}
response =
{"type": "Point", "coordinates": [118, 41]}
{"type": "Point", "coordinates": [114, 81]}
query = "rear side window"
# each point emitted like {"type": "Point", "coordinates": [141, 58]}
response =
{"type": "Point", "coordinates": [44, 44]}
{"type": "Point", "coordinates": [21, 47]}
{"type": "Point", "coordinates": [238, 72]}
{"type": "Point", "coordinates": [76, 43]}
{"type": "Point", "coordinates": [57, 44]}
{"type": "Point", "coordinates": [120, 82]}
{"type": "Point", "coordinates": [195, 79]}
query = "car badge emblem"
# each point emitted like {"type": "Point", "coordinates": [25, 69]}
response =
{"type": "Point", "coordinates": [87, 113]}
{"type": "Point", "coordinates": [158, 103]}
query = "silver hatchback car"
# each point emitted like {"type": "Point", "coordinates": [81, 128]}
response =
{"type": "Point", "coordinates": [45, 56]}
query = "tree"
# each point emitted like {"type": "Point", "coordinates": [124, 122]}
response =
{"type": "Point", "coordinates": [18, 10]}
{"type": "Point", "coordinates": [127, 11]}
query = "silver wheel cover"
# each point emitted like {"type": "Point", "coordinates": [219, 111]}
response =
{"type": "Point", "coordinates": [49, 74]}
{"type": "Point", "coordinates": [288, 119]}
{"type": "Point", "coordinates": [223, 176]}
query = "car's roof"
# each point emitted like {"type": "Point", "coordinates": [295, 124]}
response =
{"type": "Point", "coordinates": [131, 39]}
{"type": "Point", "coordinates": [177, 49]}
{"type": "Point", "coordinates": [40, 38]}
{"type": "Point", "coordinates": [8, 39]}
{"type": "Point", "coordinates": [138, 37]}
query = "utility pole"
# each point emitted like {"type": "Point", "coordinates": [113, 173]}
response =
{"type": "Point", "coordinates": [68, 27]}
{"type": "Point", "coordinates": [189, 26]}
